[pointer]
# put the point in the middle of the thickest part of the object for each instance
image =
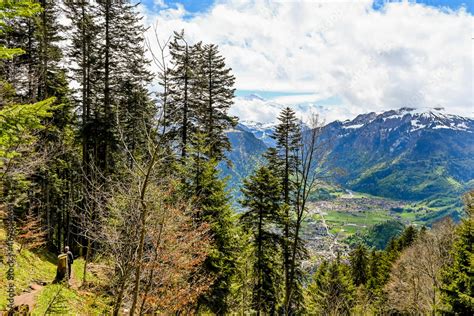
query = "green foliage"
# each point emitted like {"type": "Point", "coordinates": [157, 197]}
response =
{"type": "Point", "coordinates": [331, 291]}
{"type": "Point", "coordinates": [359, 262]}
{"type": "Point", "coordinates": [20, 124]}
{"type": "Point", "coordinates": [283, 161]}
{"type": "Point", "coordinates": [242, 280]}
{"type": "Point", "coordinates": [199, 95]}
{"type": "Point", "coordinates": [409, 182]}
{"type": "Point", "coordinates": [202, 182]}
{"type": "Point", "coordinates": [379, 235]}
{"type": "Point", "coordinates": [407, 237]}
{"type": "Point", "coordinates": [262, 200]}
{"type": "Point", "coordinates": [458, 287]}
{"type": "Point", "coordinates": [11, 10]}
{"type": "Point", "coordinates": [377, 272]}
{"type": "Point", "coordinates": [218, 92]}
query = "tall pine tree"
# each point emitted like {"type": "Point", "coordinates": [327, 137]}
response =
{"type": "Point", "coordinates": [202, 182]}
{"type": "Point", "coordinates": [458, 279]}
{"type": "Point", "coordinates": [183, 91]}
{"type": "Point", "coordinates": [288, 139]}
{"type": "Point", "coordinates": [262, 200]}
{"type": "Point", "coordinates": [331, 291]}
{"type": "Point", "coordinates": [217, 98]}
{"type": "Point", "coordinates": [359, 263]}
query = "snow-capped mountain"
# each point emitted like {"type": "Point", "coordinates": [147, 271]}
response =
{"type": "Point", "coordinates": [418, 119]}
{"type": "Point", "coordinates": [407, 153]}
{"type": "Point", "coordinates": [262, 131]}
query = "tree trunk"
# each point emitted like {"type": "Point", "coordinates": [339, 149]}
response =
{"type": "Point", "coordinates": [184, 136]}
{"type": "Point", "coordinates": [143, 215]}
{"type": "Point", "coordinates": [86, 261]}
{"type": "Point", "coordinates": [259, 259]}
{"type": "Point", "coordinates": [118, 301]}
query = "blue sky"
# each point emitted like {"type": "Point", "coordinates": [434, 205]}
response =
{"type": "Point", "coordinates": [451, 4]}
{"type": "Point", "coordinates": [196, 6]}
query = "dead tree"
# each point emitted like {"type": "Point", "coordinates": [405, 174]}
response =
{"type": "Point", "coordinates": [311, 168]}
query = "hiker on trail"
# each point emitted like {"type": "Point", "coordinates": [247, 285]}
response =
{"type": "Point", "coordinates": [70, 260]}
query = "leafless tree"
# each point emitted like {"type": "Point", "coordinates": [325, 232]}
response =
{"type": "Point", "coordinates": [311, 169]}
{"type": "Point", "coordinates": [415, 282]}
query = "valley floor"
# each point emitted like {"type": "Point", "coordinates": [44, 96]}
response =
{"type": "Point", "coordinates": [333, 222]}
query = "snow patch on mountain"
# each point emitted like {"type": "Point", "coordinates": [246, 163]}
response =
{"type": "Point", "coordinates": [262, 131]}
{"type": "Point", "coordinates": [355, 126]}
{"type": "Point", "coordinates": [416, 118]}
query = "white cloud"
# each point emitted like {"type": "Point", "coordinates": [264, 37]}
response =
{"type": "Point", "coordinates": [160, 3]}
{"type": "Point", "coordinates": [295, 99]}
{"type": "Point", "coordinates": [267, 111]}
{"type": "Point", "coordinates": [406, 55]}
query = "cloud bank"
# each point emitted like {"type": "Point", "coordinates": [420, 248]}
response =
{"type": "Point", "coordinates": [372, 60]}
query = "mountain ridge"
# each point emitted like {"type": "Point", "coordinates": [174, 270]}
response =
{"type": "Point", "coordinates": [409, 153]}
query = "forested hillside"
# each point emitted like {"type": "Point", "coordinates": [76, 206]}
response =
{"type": "Point", "coordinates": [406, 154]}
{"type": "Point", "coordinates": [124, 185]}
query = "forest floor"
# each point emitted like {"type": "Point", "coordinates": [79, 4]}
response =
{"type": "Point", "coordinates": [28, 298]}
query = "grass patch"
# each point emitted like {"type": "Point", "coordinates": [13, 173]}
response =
{"type": "Point", "coordinates": [58, 299]}
{"type": "Point", "coordinates": [53, 299]}
{"type": "Point", "coordinates": [29, 268]}
{"type": "Point", "coordinates": [78, 272]}
{"type": "Point", "coordinates": [349, 223]}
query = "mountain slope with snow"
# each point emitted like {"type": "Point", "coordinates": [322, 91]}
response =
{"type": "Point", "coordinates": [408, 154]}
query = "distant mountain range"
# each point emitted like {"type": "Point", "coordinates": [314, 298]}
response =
{"type": "Point", "coordinates": [246, 154]}
{"type": "Point", "coordinates": [408, 154]}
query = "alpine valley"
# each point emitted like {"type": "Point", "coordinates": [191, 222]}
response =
{"type": "Point", "coordinates": [417, 161]}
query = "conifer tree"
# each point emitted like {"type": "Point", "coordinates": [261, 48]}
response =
{"type": "Point", "coordinates": [458, 284]}
{"type": "Point", "coordinates": [40, 65]}
{"type": "Point", "coordinates": [331, 291]}
{"type": "Point", "coordinates": [20, 124]}
{"type": "Point", "coordinates": [125, 76]}
{"type": "Point", "coordinates": [218, 92]}
{"type": "Point", "coordinates": [376, 273]}
{"type": "Point", "coordinates": [56, 179]}
{"type": "Point", "coordinates": [84, 52]}
{"type": "Point", "coordinates": [130, 80]}
{"type": "Point", "coordinates": [407, 238]}
{"type": "Point", "coordinates": [262, 200]}
{"type": "Point", "coordinates": [209, 191]}
{"type": "Point", "coordinates": [183, 92]}
{"type": "Point", "coordinates": [288, 140]}
{"type": "Point", "coordinates": [359, 264]}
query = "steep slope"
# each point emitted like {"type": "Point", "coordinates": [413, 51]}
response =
{"type": "Point", "coordinates": [409, 154]}
{"type": "Point", "coordinates": [261, 131]}
{"type": "Point", "coordinates": [246, 154]}
{"type": "Point", "coordinates": [405, 154]}
{"type": "Point", "coordinates": [34, 273]}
